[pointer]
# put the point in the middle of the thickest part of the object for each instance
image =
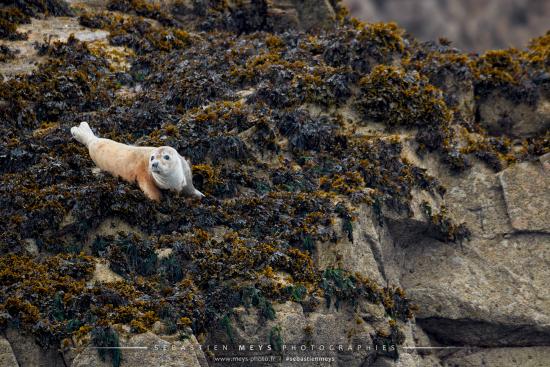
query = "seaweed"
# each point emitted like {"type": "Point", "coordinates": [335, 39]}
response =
{"type": "Point", "coordinates": [106, 339]}
{"type": "Point", "coordinates": [397, 97]}
{"type": "Point", "coordinates": [35, 7]}
{"type": "Point", "coordinates": [386, 344]}
{"type": "Point", "coordinates": [141, 8]}
{"type": "Point", "coordinates": [306, 133]}
{"type": "Point", "coordinates": [253, 297]}
{"type": "Point", "coordinates": [337, 286]}
{"type": "Point", "coordinates": [538, 54]}
{"type": "Point", "coordinates": [171, 269]}
{"type": "Point", "coordinates": [130, 254]}
{"type": "Point", "coordinates": [15, 12]}
{"type": "Point", "coordinates": [6, 53]}
{"type": "Point", "coordinates": [361, 46]}
{"type": "Point", "coordinates": [226, 324]}
{"type": "Point", "coordinates": [275, 338]}
{"type": "Point", "coordinates": [263, 117]}
{"type": "Point", "coordinates": [347, 220]}
{"type": "Point", "coordinates": [443, 227]}
{"type": "Point", "coordinates": [298, 293]}
{"type": "Point", "coordinates": [8, 31]}
{"type": "Point", "coordinates": [341, 286]}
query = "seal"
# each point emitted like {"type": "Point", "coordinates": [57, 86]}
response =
{"type": "Point", "coordinates": [152, 168]}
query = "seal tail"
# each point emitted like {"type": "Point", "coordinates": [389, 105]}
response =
{"type": "Point", "coordinates": [83, 133]}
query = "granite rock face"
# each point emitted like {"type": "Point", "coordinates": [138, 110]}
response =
{"type": "Point", "coordinates": [337, 336]}
{"type": "Point", "coordinates": [279, 15]}
{"type": "Point", "coordinates": [489, 291]}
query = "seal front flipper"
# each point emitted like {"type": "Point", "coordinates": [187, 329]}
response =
{"type": "Point", "coordinates": [187, 186]}
{"type": "Point", "coordinates": [186, 169]}
{"type": "Point", "coordinates": [149, 188]}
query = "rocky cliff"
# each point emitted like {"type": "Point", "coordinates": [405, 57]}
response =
{"type": "Point", "coordinates": [472, 25]}
{"type": "Point", "coordinates": [370, 199]}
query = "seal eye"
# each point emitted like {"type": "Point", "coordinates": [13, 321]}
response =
{"type": "Point", "coordinates": [167, 157]}
{"type": "Point", "coordinates": [152, 157]}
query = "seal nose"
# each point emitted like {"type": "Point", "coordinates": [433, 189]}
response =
{"type": "Point", "coordinates": [155, 164]}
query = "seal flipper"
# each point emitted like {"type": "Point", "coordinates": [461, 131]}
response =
{"type": "Point", "coordinates": [149, 188]}
{"type": "Point", "coordinates": [187, 186]}
{"type": "Point", "coordinates": [186, 169]}
{"type": "Point", "coordinates": [198, 194]}
{"type": "Point", "coordinates": [83, 133]}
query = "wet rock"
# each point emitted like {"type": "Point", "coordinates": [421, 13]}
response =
{"type": "Point", "coordinates": [491, 282]}
{"type": "Point", "coordinates": [314, 213]}
{"type": "Point", "coordinates": [257, 15]}
{"type": "Point", "coordinates": [284, 15]}
{"type": "Point", "coordinates": [315, 14]}
{"type": "Point", "coordinates": [163, 253]}
{"type": "Point", "coordinates": [545, 161]}
{"type": "Point", "coordinates": [31, 247]}
{"type": "Point", "coordinates": [477, 291]}
{"type": "Point", "coordinates": [476, 198]}
{"type": "Point", "coordinates": [111, 227]}
{"type": "Point", "coordinates": [480, 294]}
{"type": "Point", "coordinates": [52, 29]}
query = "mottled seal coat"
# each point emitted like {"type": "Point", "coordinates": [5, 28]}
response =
{"type": "Point", "coordinates": [152, 168]}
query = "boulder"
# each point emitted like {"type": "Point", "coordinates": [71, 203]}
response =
{"type": "Point", "coordinates": [526, 188]}
{"type": "Point", "coordinates": [489, 290]}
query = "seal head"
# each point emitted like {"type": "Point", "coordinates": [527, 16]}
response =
{"type": "Point", "coordinates": [171, 171]}
{"type": "Point", "coordinates": [165, 167]}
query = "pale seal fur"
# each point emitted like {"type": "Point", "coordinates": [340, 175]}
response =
{"type": "Point", "coordinates": [152, 168]}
